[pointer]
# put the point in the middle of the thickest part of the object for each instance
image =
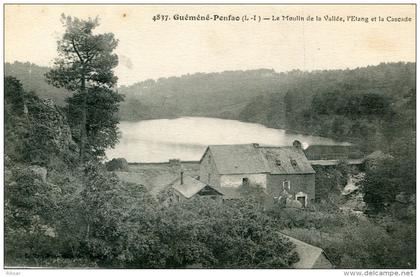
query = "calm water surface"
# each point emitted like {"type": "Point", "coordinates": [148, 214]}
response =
{"type": "Point", "coordinates": [186, 138]}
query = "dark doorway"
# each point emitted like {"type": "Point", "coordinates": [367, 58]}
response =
{"type": "Point", "coordinates": [302, 200]}
{"type": "Point", "coordinates": [245, 182]}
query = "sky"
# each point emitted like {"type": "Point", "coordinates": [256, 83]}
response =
{"type": "Point", "coordinates": [153, 49]}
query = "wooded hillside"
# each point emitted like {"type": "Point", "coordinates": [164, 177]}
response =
{"type": "Point", "coordinates": [347, 105]}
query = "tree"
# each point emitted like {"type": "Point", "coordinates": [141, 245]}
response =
{"type": "Point", "coordinates": [85, 67]}
{"type": "Point", "coordinates": [30, 205]}
{"type": "Point", "coordinates": [101, 112]}
{"type": "Point", "coordinates": [330, 181]}
{"type": "Point", "coordinates": [209, 234]}
{"type": "Point", "coordinates": [16, 124]}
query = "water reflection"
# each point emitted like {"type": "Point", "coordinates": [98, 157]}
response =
{"type": "Point", "coordinates": [186, 138]}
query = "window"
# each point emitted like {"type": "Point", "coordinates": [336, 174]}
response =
{"type": "Point", "coordinates": [278, 162]}
{"type": "Point", "coordinates": [208, 178]}
{"type": "Point", "coordinates": [286, 184]}
{"type": "Point", "coordinates": [245, 181]}
{"type": "Point", "coordinates": [209, 159]}
{"type": "Point", "coordinates": [293, 162]}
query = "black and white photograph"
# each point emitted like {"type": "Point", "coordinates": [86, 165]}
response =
{"type": "Point", "coordinates": [205, 137]}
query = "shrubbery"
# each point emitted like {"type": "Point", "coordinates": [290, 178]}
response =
{"type": "Point", "coordinates": [104, 222]}
{"type": "Point", "coordinates": [119, 164]}
{"type": "Point", "coordinates": [354, 241]}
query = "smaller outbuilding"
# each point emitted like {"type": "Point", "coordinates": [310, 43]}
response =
{"type": "Point", "coordinates": [186, 187]}
{"type": "Point", "coordinates": [310, 256]}
{"type": "Point", "coordinates": [333, 152]}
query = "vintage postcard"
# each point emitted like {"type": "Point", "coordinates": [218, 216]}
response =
{"type": "Point", "coordinates": [210, 136]}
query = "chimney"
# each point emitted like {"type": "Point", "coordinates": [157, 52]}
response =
{"type": "Point", "coordinates": [182, 177]}
{"type": "Point", "coordinates": [256, 145]}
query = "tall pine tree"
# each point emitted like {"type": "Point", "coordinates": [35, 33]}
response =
{"type": "Point", "coordinates": [85, 66]}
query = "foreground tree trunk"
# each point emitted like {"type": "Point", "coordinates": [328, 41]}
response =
{"type": "Point", "coordinates": [83, 136]}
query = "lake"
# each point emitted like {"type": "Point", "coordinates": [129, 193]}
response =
{"type": "Point", "coordinates": [186, 138]}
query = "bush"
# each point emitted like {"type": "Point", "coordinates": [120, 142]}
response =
{"type": "Point", "coordinates": [119, 164]}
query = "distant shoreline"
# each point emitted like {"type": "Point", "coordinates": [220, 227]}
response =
{"type": "Point", "coordinates": [287, 131]}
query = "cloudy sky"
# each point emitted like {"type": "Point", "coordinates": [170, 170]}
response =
{"type": "Point", "coordinates": [149, 49]}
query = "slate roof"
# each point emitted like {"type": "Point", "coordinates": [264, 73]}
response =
{"type": "Point", "coordinates": [238, 158]}
{"type": "Point", "coordinates": [250, 159]}
{"type": "Point", "coordinates": [333, 152]}
{"type": "Point", "coordinates": [190, 186]}
{"type": "Point", "coordinates": [308, 254]}
{"type": "Point", "coordinates": [286, 160]}
{"type": "Point", "coordinates": [335, 162]}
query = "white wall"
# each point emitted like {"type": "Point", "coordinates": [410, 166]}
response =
{"type": "Point", "coordinates": [208, 169]}
{"type": "Point", "coordinates": [235, 180]}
